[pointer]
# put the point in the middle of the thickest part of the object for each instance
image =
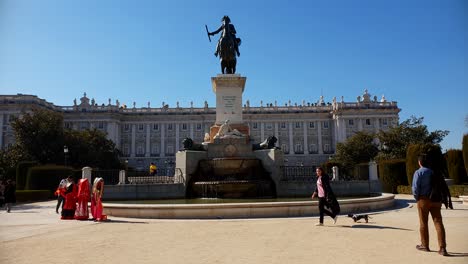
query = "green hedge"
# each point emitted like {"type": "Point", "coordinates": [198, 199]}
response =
{"type": "Point", "coordinates": [455, 190]}
{"type": "Point", "coordinates": [22, 173]}
{"type": "Point", "coordinates": [33, 195]}
{"type": "Point", "coordinates": [434, 157]}
{"type": "Point", "coordinates": [392, 173]}
{"type": "Point", "coordinates": [46, 177]}
{"type": "Point", "coordinates": [455, 166]}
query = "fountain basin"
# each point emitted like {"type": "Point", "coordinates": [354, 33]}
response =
{"type": "Point", "coordinates": [244, 210]}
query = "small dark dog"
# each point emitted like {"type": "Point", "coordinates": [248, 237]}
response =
{"type": "Point", "coordinates": [357, 217]}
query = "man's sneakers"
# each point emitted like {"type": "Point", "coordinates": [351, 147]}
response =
{"type": "Point", "coordinates": [319, 224]}
{"type": "Point", "coordinates": [422, 248]}
{"type": "Point", "coordinates": [443, 252]}
{"type": "Point", "coordinates": [335, 219]}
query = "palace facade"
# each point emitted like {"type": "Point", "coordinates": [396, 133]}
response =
{"type": "Point", "coordinates": [306, 132]}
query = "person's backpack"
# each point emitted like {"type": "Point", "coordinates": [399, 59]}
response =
{"type": "Point", "coordinates": [440, 191]}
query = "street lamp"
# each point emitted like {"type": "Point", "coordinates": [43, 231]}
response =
{"type": "Point", "coordinates": [65, 152]}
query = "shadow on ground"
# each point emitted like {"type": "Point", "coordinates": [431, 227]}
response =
{"type": "Point", "coordinates": [376, 227]}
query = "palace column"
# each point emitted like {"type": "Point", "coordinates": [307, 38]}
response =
{"type": "Point", "coordinates": [276, 133]}
{"type": "Point", "coordinates": [191, 130]}
{"type": "Point", "coordinates": [176, 138]}
{"type": "Point", "coordinates": [162, 150]}
{"type": "Point", "coordinates": [148, 136]}
{"type": "Point", "coordinates": [291, 142]}
{"type": "Point", "coordinates": [132, 147]}
{"type": "Point", "coordinates": [306, 147]}
{"type": "Point", "coordinates": [319, 137]}
{"type": "Point", "coordinates": [262, 131]}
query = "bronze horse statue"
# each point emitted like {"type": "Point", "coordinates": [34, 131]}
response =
{"type": "Point", "coordinates": [228, 46]}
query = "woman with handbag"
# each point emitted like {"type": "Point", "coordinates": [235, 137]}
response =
{"type": "Point", "coordinates": [326, 197]}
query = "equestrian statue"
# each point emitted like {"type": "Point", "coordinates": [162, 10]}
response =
{"type": "Point", "coordinates": [228, 45]}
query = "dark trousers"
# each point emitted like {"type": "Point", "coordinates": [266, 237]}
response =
{"type": "Point", "coordinates": [322, 210]}
{"type": "Point", "coordinates": [426, 206]}
{"type": "Point", "coordinates": [60, 200]}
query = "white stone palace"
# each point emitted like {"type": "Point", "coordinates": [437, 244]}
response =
{"type": "Point", "coordinates": [307, 132]}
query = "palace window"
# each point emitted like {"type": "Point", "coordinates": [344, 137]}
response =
{"type": "Point", "coordinates": [325, 124]}
{"type": "Point", "coordinates": [285, 148]}
{"type": "Point", "coordinates": [155, 127]}
{"type": "Point", "coordinates": [127, 127]}
{"type": "Point", "coordinates": [368, 122]}
{"type": "Point", "coordinates": [169, 126]}
{"type": "Point", "coordinates": [312, 125]}
{"type": "Point", "coordinates": [67, 125]}
{"type": "Point", "coordinates": [326, 148]}
{"type": "Point", "coordinates": [170, 149]}
{"type": "Point", "coordinates": [298, 124]}
{"type": "Point", "coordinates": [351, 122]}
{"type": "Point", "coordinates": [283, 125]}
{"type": "Point", "coordinates": [199, 127]}
{"type": "Point", "coordinates": [269, 126]}
{"type": "Point", "coordinates": [141, 127]}
{"type": "Point", "coordinates": [184, 127]}
{"type": "Point", "coordinates": [154, 149]}
{"type": "Point", "coordinates": [312, 148]}
{"type": "Point", "coordinates": [255, 125]}
{"type": "Point", "coordinates": [140, 151]}
{"type": "Point", "coordinates": [384, 122]}
{"type": "Point", "coordinates": [299, 149]}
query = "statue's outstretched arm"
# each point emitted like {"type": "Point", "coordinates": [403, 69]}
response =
{"type": "Point", "coordinates": [217, 31]}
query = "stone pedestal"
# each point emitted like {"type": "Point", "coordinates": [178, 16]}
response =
{"type": "Point", "coordinates": [228, 89]}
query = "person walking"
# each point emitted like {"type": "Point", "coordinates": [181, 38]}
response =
{"type": "Point", "coordinates": [10, 194]}
{"type": "Point", "coordinates": [153, 170]}
{"type": "Point", "coordinates": [326, 197]}
{"type": "Point", "coordinates": [60, 192]}
{"type": "Point", "coordinates": [430, 191]}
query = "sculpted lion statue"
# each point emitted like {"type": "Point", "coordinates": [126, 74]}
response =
{"type": "Point", "coordinates": [190, 145]}
{"type": "Point", "coordinates": [268, 143]}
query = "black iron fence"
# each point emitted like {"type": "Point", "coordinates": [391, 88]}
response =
{"type": "Point", "coordinates": [298, 173]}
{"type": "Point", "coordinates": [111, 177]}
{"type": "Point", "coordinates": [307, 174]}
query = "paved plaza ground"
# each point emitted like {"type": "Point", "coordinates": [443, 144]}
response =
{"type": "Point", "coordinates": [33, 233]}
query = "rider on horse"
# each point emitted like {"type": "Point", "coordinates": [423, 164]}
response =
{"type": "Point", "coordinates": [229, 32]}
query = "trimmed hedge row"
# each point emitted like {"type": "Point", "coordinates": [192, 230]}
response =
{"type": "Point", "coordinates": [455, 166]}
{"type": "Point", "coordinates": [22, 173]}
{"type": "Point", "coordinates": [392, 173]}
{"type": "Point", "coordinates": [33, 195]}
{"type": "Point", "coordinates": [46, 177]}
{"type": "Point", "coordinates": [433, 155]}
{"type": "Point", "coordinates": [455, 190]}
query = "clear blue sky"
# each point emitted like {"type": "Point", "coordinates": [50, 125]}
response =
{"type": "Point", "coordinates": [413, 52]}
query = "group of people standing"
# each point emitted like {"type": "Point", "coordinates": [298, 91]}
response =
{"type": "Point", "coordinates": [75, 198]}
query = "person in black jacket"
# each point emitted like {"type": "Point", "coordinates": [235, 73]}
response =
{"type": "Point", "coordinates": [326, 197]}
{"type": "Point", "coordinates": [10, 194]}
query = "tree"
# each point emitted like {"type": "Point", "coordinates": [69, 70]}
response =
{"type": "Point", "coordinates": [40, 135]}
{"type": "Point", "coordinates": [91, 148]}
{"type": "Point", "coordinates": [359, 148]}
{"type": "Point", "coordinates": [394, 142]}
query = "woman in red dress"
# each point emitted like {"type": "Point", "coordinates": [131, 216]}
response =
{"type": "Point", "coordinates": [83, 198]}
{"type": "Point", "coordinates": [68, 211]}
{"type": "Point", "coordinates": [96, 199]}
